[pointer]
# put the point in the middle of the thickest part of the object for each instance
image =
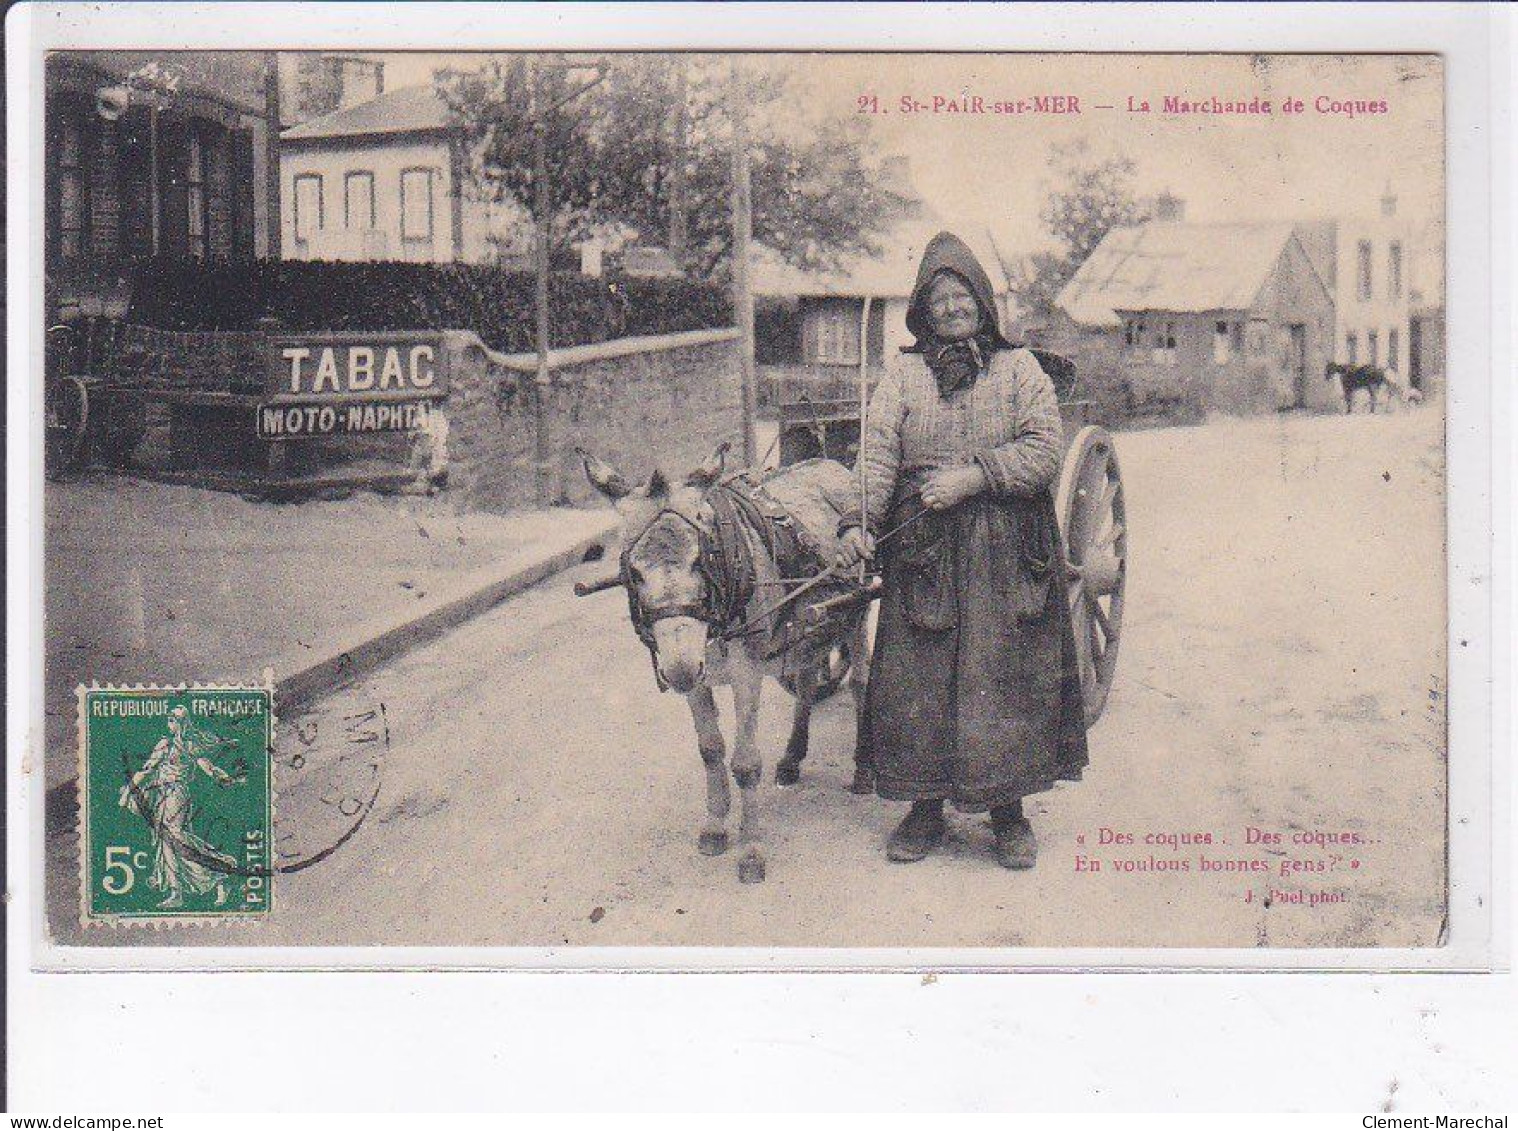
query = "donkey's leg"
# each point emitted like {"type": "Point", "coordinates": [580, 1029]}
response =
{"type": "Point", "coordinates": [788, 769]}
{"type": "Point", "coordinates": [859, 683]}
{"type": "Point", "coordinates": [703, 710]}
{"type": "Point", "coordinates": [748, 767]}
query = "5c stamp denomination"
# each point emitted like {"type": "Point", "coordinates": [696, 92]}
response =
{"type": "Point", "coordinates": [176, 803]}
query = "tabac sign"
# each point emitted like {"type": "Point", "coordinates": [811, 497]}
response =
{"type": "Point", "coordinates": [342, 383]}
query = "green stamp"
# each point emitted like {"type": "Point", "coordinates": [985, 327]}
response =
{"type": "Point", "coordinates": [176, 803]}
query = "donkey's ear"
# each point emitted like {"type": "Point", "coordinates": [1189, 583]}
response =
{"type": "Point", "coordinates": [658, 486]}
{"type": "Point", "coordinates": [603, 477]}
{"type": "Point", "coordinates": [711, 470]}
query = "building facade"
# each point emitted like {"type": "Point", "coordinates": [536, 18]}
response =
{"type": "Point", "coordinates": [1228, 317]}
{"type": "Point", "coordinates": [1369, 264]}
{"type": "Point", "coordinates": [154, 154]}
{"type": "Point", "coordinates": [386, 179]}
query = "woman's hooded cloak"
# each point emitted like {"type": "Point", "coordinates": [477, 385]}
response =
{"type": "Point", "coordinates": [954, 364]}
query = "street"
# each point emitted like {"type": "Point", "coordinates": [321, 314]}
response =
{"type": "Point", "coordinates": [1282, 668]}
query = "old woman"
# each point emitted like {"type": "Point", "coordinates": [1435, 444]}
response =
{"type": "Point", "coordinates": [974, 693]}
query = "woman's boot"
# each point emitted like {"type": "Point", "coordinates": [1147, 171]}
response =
{"type": "Point", "coordinates": [1016, 846]}
{"type": "Point", "coordinates": [919, 833]}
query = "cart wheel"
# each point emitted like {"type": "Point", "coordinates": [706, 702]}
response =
{"type": "Point", "coordinates": [68, 417]}
{"type": "Point", "coordinates": [1093, 521]}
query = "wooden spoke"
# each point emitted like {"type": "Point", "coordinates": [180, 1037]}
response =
{"type": "Point", "coordinates": [1104, 523]}
{"type": "Point", "coordinates": [1100, 615]}
{"type": "Point", "coordinates": [1082, 644]}
{"type": "Point", "coordinates": [1109, 492]}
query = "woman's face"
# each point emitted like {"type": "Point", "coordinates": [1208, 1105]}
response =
{"type": "Point", "coordinates": [952, 308]}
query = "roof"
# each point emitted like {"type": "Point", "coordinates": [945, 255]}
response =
{"type": "Point", "coordinates": [1173, 266]}
{"type": "Point", "coordinates": [410, 109]}
{"type": "Point", "coordinates": [887, 275]}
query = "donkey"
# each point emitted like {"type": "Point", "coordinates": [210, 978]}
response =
{"type": "Point", "coordinates": [705, 563]}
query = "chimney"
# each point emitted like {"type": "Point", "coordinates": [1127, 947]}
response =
{"type": "Point", "coordinates": [1169, 208]}
{"type": "Point", "coordinates": [357, 79]}
{"type": "Point", "coordinates": [1388, 203]}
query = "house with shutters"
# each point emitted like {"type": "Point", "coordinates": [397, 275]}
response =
{"type": "Point", "coordinates": [387, 179]}
{"type": "Point", "coordinates": [155, 154]}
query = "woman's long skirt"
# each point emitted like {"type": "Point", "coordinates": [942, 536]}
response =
{"type": "Point", "coordinates": [974, 692]}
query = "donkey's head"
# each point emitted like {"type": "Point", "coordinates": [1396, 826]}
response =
{"type": "Point", "coordinates": [663, 525]}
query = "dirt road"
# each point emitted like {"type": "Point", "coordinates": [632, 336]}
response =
{"type": "Point", "coordinates": [1282, 667]}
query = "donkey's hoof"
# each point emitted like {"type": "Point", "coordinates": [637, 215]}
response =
{"type": "Point", "coordinates": [712, 842]}
{"type": "Point", "coordinates": [751, 869]}
{"type": "Point", "coordinates": [787, 772]}
{"type": "Point", "coordinates": [864, 781]}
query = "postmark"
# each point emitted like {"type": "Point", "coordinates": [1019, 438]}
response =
{"type": "Point", "coordinates": [176, 803]}
{"type": "Point", "coordinates": [329, 764]}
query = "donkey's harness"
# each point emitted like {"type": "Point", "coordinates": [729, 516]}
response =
{"type": "Point", "coordinates": [725, 560]}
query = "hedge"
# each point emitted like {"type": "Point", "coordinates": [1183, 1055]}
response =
{"type": "Point", "coordinates": [495, 303]}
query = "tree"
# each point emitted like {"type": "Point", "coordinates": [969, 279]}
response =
{"type": "Point", "coordinates": [494, 106]}
{"type": "Point", "coordinates": [614, 150]}
{"type": "Point", "coordinates": [1093, 195]}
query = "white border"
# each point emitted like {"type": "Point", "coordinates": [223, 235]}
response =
{"type": "Point", "coordinates": [1478, 46]}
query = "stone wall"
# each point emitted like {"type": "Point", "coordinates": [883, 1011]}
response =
{"type": "Point", "coordinates": [638, 403]}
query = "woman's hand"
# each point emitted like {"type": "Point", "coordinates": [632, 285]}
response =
{"type": "Point", "coordinates": [948, 486]}
{"type": "Point", "coordinates": [854, 546]}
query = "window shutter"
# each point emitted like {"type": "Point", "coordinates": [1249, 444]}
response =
{"type": "Point", "coordinates": [174, 198]}
{"type": "Point", "coordinates": [134, 185]}
{"type": "Point", "coordinates": [242, 194]}
{"type": "Point", "coordinates": [219, 211]}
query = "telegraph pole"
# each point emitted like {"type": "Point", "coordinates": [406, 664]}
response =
{"type": "Point", "coordinates": [542, 205]}
{"type": "Point", "coordinates": [679, 127]}
{"type": "Point", "coordinates": [743, 298]}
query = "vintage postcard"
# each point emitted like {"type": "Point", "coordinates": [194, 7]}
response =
{"type": "Point", "coordinates": [969, 502]}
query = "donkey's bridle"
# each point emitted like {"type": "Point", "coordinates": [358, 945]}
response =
{"type": "Point", "coordinates": [644, 617]}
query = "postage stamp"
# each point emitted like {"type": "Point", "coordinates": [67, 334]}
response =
{"type": "Point", "coordinates": [176, 803]}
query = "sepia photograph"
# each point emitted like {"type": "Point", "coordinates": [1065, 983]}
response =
{"type": "Point", "coordinates": [827, 500]}
{"type": "Point", "coordinates": [810, 556]}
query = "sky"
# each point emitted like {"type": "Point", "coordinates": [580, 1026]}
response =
{"type": "Point", "coordinates": [991, 169]}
